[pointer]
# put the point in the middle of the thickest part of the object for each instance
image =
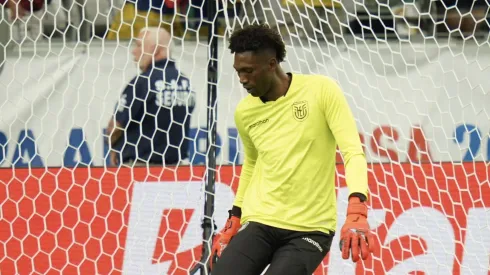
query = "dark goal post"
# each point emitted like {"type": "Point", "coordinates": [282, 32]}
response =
{"type": "Point", "coordinates": [208, 222]}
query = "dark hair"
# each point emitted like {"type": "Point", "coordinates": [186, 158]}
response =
{"type": "Point", "coordinates": [33, 5]}
{"type": "Point", "coordinates": [257, 38]}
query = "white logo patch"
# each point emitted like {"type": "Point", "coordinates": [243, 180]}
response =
{"type": "Point", "coordinates": [313, 243]}
{"type": "Point", "coordinates": [243, 227]}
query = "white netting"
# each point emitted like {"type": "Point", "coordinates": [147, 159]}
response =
{"type": "Point", "coordinates": [415, 74]}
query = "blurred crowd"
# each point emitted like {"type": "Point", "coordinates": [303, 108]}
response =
{"type": "Point", "coordinates": [186, 19]}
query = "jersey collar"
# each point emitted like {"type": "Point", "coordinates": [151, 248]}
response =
{"type": "Point", "coordinates": [161, 64]}
{"type": "Point", "coordinates": [287, 91]}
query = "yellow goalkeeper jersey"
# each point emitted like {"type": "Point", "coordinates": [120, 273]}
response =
{"type": "Point", "coordinates": [288, 175]}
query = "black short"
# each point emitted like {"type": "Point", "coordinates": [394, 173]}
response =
{"type": "Point", "coordinates": [288, 252]}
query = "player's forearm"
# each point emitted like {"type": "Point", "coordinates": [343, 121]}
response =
{"type": "Point", "coordinates": [356, 175]}
{"type": "Point", "coordinates": [114, 133]}
{"type": "Point", "coordinates": [249, 161]}
{"type": "Point", "coordinates": [245, 178]}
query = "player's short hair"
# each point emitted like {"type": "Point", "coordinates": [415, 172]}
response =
{"type": "Point", "coordinates": [257, 38]}
{"type": "Point", "coordinates": [159, 36]}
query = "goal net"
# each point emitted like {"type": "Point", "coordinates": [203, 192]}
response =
{"type": "Point", "coordinates": [415, 74]}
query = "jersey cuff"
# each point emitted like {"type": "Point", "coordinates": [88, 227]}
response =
{"type": "Point", "coordinates": [236, 211]}
{"type": "Point", "coordinates": [361, 196]}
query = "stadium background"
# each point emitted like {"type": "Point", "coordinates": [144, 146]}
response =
{"type": "Point", "coordinates": [421, 102]}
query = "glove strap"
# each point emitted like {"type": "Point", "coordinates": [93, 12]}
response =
{"type": "Point", "coordinates": [235, 211]}
{"type": "Point", "coordinates": [356, 207]}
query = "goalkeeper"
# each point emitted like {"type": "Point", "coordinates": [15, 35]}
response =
{"type": "Point", "coordinates": [284, 213]}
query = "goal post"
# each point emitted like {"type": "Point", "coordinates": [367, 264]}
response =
{"type": "Point", "coordinates": [415, 74]}
{"type": "Point", "coordinates": [208, 224]}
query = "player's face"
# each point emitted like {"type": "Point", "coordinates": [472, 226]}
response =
{"type": "Point", "coordinates": [142, 52]}
{"type": "Point", "coordinates": [254, 71]}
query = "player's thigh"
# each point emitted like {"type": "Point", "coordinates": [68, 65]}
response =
{"type": "Point", "coordinates": [301, 255]}
{"type": "Point", "coordinates": [248, 252]}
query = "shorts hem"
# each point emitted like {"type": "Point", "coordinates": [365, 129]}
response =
{"type": "Point", "coordinates": [289, 227]}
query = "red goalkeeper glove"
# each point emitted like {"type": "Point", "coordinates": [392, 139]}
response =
{"type": "Point", "coordinates": [356, 237]}
{"type": "Point", "coordinates": [231, 228]}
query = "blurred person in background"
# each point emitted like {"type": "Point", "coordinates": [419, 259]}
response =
{"type": "Point", "coordinates": [138, 14]}
{"type": "Point", "coordinates": [256, 11]}
{"type": "Point", "coordinates": [371, 19]}
{"type": "Point", "coordinates": [465, 18]}
{"type": "Point", "coordinates": [469, 16]}
{"type": "Point", "coordinates": [152, 118]}
{"type": "Point", "coordinates": [21, 8]}
{"type": "Point", "coordinates": [323, 17]}
{"type": "Point", "coordinates": [25, 16]}
{"type": "Point", "coordinates": [197, 16]}
{"type": "Point", "coordinates": [411, 18]}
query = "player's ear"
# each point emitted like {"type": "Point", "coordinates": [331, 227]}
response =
{"type": "Point", "coordinates": [272, 64]}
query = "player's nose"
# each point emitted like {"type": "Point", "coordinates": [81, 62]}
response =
{"type": "Point", "coordinates": [243, 81]}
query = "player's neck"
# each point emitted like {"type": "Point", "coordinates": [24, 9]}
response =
{"type": "Point", "coordinates": [159, 57]}
{"type": "Point", "coordinates": [279, 88]}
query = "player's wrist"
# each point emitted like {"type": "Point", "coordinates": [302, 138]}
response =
{"type": "Point", "coordinates": [356, 207]}
{"type": "Point", "coordinates": [231, 228]}
{"type": "Point", "coordinates": [235, 212]}
{"type": "Point", "coordinates": [361, 196]}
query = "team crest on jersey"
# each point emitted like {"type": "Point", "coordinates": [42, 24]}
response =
{"type": "Point", "coordinates": [300, 110]}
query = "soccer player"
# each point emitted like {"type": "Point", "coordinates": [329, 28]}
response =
{"type": "Point", "coordinates": [20, 8]}
{"type": "Point", "coordinates": [152, 118]}
{"type": "Point", "coordinates": [284, 213]}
